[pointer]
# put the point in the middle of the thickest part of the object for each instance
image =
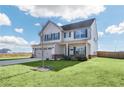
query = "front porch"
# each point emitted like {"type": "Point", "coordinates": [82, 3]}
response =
{"type": "Point", "coordinates": [73, 49]}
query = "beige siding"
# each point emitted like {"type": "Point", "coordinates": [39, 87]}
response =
{"type": "Point", "coordinates": [87, 50]}
{"type": "Point", "coordinates": [51, 28]}
{"type": "Point", "coordinates": [72, 35]}
{"type": "Point", "coordinates": [59, 49]}
{"type": "Point", "coordinates": [94, 40]}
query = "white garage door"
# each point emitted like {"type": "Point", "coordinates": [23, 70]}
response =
{"type": "Point", "coordinates": [38, 53]}
{"type": "Point", "coordinates": [47, 53]}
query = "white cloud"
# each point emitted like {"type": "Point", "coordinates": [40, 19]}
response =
{"type": "Point", "coordinates": [4, 20]}
{"type": "Point", "coordinates": [16, 48]}
{"type": "Point", "coordinates": [19, 30]}
{"type": "Point", "coordinates": [33, 42]}
{"type": "Point", "coordinates": [26, 7]}
{"type": "Point", "coordinates": [16, 44]}
{"type": "Point", "coordinates": [37, 24]}
{"type": "Point", "coordinates": [100, 34]}
{"type": "Point", "coordinates": [59, 24]}
{"type": "Point", "coordinates": [70, 12]}
{"type": "Point", "coordinates": [13, 40]}
{"type": "Point", "coordinates": [113, 29]}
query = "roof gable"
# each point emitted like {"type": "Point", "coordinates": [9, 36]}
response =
{"type": "Point", "coordinates": [48, 24]}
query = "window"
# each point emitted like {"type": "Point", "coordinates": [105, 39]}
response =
{"type": "Point", "coordinates": [45, 38]}
{"type": "Point", "coordinates": [80, 34]}
{"type": "Point", "coordinates": [44, 48]}
{"type": "Point", "coordinates": [69, 34]}
{"type": "Point", "coordinates": [49, 37]}
{"type": "Point", "coordinates": [58, 35]}
{"type": "Point", "coordinates": [52, 36]}
{"type": "Point", "coordinates": [64, 35]}
{"type": "Point", "coordinates": [80, 50]}
{"type": "Point", "coordinates": [50, 48]}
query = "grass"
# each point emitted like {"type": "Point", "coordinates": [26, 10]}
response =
{"type": "Point", "coordinates": [14, 56]}
{"type": "Point", "coordinates": [94, 72]}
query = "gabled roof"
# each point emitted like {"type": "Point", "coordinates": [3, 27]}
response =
{"type": "Point", "coordinates": [80, 24]}
{"type": "Point", "coordinates": [47, 24]}
{"type": "Point", "coordinates": [71, 26]}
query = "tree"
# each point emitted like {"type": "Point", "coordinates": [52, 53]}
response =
{"type": "Point", "coordinates": [42, 49]}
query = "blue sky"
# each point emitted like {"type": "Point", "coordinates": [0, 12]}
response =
{"type": "Point", "coordinates": [21, 27]}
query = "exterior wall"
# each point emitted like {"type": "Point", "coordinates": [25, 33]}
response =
{"type": "Point", "coordinates": [51, 28]}
{"type": "Point", "coordinates": [72, 35]}
{"type": "Point", "coordinates": [94, 40]}
{"type": "Point", "coordinates": [87, 50]}
{"type": "Point", "coordinates": [59, 49]}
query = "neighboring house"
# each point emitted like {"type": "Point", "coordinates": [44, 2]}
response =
{"type": "Point", "coordinates": [78, 38]}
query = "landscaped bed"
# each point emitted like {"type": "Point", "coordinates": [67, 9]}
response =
{"type": "Point", "coordinates": [94, 72]}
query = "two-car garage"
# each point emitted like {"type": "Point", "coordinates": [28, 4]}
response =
{"type": "Point", "coordinates": [47, 52]}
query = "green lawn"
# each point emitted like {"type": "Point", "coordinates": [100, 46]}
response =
{"type": "Point", "coordinates": [94, 72]}
{"type": "Point", "coordinates": [13, 58]}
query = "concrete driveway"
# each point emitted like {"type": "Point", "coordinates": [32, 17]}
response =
{"type": "Point", "coordinates": [9, 62]}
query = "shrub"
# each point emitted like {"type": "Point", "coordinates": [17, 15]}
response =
{"type": "Point", "coordinates": [47, 58]}
{"type": "Point", "coordinates": [75, 57]}
{"type": "Point", "coordinates": [80, 58]}
{"type": "Point", "coordinates": [66, 57]}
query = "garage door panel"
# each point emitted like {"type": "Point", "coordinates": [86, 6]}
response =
{"type": "Point", "coordinates": [47, 53]}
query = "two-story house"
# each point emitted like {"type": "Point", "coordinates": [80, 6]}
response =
{"type": "Point", "coordinates": [71, 39]}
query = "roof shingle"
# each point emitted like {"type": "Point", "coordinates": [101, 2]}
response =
{"type": "Point", "coordinates": [80, 24]}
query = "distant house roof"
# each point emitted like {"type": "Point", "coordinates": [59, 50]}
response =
{"type": "Point", "coordinates": [80, 24]}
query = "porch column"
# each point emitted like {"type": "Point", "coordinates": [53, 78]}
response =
{"type": "Point", "coordinates": [67, 49]}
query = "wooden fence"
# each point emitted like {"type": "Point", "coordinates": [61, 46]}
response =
{"type": "Point", "coordinates": [110, 54]}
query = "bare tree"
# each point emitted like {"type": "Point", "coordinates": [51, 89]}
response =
{"type": "Point", "coordinates": [42, 49]}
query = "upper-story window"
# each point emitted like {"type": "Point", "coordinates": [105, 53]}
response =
{"type": "Point", "coordinates": [52, 36]}
{"type": "Point", "coordinates": [45, 38]}
{"type": "Point", "coordinates": [49, 37]}
{"type": "Point", "coordinates": [82, 33]}
{"type": "Point", "coordinates": [67, 34]}
{"type": "Point", "coordinates": [64, 34]}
